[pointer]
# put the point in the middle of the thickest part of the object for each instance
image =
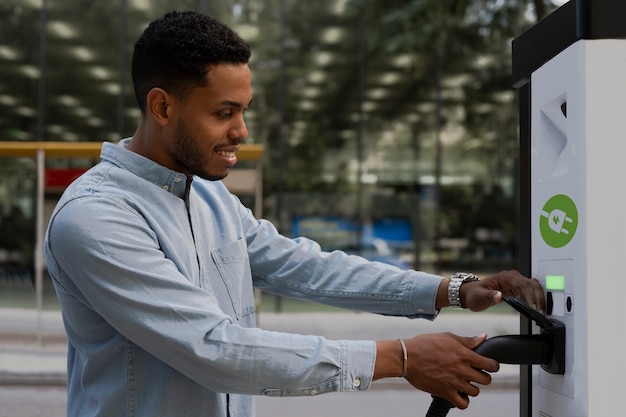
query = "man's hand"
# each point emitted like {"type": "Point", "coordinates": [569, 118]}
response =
{"type": "Point", "coordinates": [480, 295]}
{"type": "Point", "coordinates": [442, 364]}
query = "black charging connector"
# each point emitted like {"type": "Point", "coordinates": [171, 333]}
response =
{"type": "Point", "coordinates": [546, 349]}
{"type": "Point", "coordinates": [552, 334]}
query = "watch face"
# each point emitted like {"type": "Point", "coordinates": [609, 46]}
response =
{"type": "Point", "coordinates": [465, 277]}
{"type": "Point", "coordinates": [527, 311]}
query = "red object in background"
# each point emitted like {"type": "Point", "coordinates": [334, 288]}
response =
{"type": "Point", "coordinates": [56, 177]}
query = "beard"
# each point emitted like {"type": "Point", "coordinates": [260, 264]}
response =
{"type": "Point", "coordinates": [189, 154]}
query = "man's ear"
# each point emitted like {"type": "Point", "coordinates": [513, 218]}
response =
{"type": "Point", "coordinates": [158, 105]}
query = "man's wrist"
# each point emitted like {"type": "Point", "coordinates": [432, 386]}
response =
{"type": "Point", "coordinates": [389, 359]}
{"type": "Point", "coordinates": [442, 294]}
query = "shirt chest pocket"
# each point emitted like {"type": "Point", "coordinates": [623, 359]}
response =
{"type": "Point", "coordinates": [233, 266]}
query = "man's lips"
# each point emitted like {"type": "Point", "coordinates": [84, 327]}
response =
{"type": "Point", "coordinates": [228, 154]}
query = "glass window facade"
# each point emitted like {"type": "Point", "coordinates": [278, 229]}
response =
{"type": "Point", "coordinates": [389, 127]}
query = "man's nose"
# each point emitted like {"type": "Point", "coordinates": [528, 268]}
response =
{"type": "Point", "coordinates": [239, 130]}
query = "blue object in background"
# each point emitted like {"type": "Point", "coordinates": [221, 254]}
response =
{"type": "Point", "coordinates": [380, 240]}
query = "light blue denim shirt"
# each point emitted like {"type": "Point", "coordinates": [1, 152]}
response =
{"type": "Point", "coordinates": [155, 275]}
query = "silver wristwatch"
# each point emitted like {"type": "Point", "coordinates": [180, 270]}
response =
{"type": "Point", "coordinates": [454, 289]}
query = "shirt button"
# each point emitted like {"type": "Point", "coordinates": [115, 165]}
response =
{"type": "Point", "coordinates": [420, 310]}
{"type": "Point", "coordinates": [357, 382]}
{"type": "Point", "coordinates": [166, 187]}
{"type": "Point", "coordinates": [178, 179]}
{"type": "Point", "coordinates": [313, 392]}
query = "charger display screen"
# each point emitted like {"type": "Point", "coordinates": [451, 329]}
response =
{"type": "Point", "coordinates": [555, 282]}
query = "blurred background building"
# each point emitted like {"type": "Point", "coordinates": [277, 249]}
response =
{"type": "Point", "coordinates": [389, 126]}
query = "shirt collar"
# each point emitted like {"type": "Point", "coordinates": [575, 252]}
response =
{"type": "Point", "coordinates": [171, 181]}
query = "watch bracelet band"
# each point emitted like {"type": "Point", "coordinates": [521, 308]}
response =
{"type": "Point", "coordinates": [454, 288]}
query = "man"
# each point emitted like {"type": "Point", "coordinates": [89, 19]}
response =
{"type": "Point", "coordinates": [154, 264]}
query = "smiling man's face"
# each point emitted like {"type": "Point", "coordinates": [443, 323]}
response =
{"type": "Point", "coordinates": [209, 123]}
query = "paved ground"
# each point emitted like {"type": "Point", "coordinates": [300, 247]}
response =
{"type": "Point", "coordinates": [32, 364]}
{"type": "Point", "coordinates": [49, 401]}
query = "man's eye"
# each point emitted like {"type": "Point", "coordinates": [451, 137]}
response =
{"type": "Point", "coordinates": [226, 115]}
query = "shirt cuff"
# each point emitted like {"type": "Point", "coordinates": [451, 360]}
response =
{"type": "Point", "coordinates": [422, 296]}
{"type": "Point", "coordinates": [357, 364]}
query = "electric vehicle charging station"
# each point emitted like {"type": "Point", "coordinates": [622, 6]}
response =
{"type": "Point", "coordinates": [570, 73]}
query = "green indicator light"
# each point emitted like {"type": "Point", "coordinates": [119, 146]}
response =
{"type": "Point", "coordinates": [555, 282]}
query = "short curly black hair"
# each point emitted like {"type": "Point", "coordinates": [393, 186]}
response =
{"type": "Point", "coordinates": [175, 53]}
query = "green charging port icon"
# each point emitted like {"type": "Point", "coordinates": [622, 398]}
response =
{"type": "Point", "coordinates": [558, 221]}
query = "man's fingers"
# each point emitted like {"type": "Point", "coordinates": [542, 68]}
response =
{"type": "Point", "coordinates": [480, 362]}
{"type": "Point", "coordinates": [474, 341]}
{"type": "Point", "coordinates": [460, 400]}
{"type": "Point", "coordinates": [486, 364]}
{"type": "Point", "coordinates": [447, 378]}
{"type": "Point", "coordinates": [480, 377]}
{"type": "Point", "coordinates": [496, 297]}
{"type": "Point", "coordinates": [538, 294]}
